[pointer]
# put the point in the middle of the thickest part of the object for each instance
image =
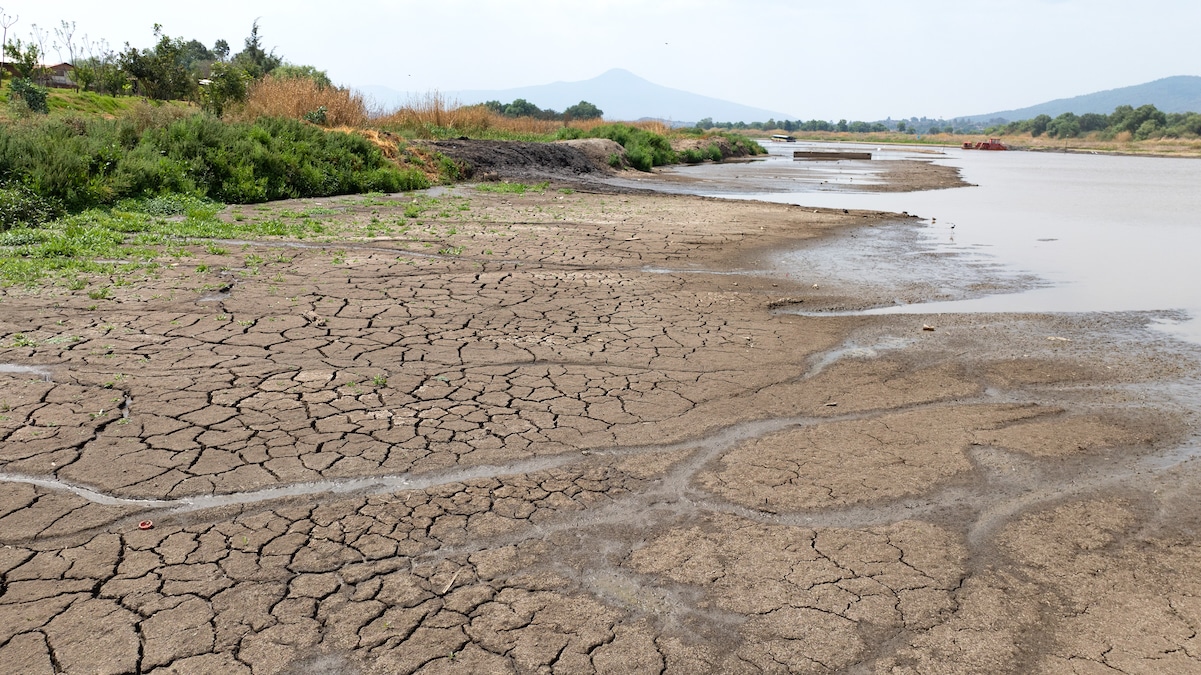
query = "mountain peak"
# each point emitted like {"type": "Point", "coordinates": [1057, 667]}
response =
{"type": "Point", "coordinates": [618, 73]}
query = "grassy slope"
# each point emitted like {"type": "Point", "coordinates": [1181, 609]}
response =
{"type": "Point", "coordinates": [70, 102]}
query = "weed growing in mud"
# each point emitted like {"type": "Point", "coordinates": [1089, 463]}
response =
{"type": "Point", "coordinates": [71, 248]}
{"type": "Point", "coordinates": [505, 187]}
{"type": "Point", "coordinates": [379, 380]}
{"type": "Point", "coordinates": [448, 171]}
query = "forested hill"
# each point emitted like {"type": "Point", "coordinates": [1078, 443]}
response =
{"type": "Point", "coordinates": [1181, 93]}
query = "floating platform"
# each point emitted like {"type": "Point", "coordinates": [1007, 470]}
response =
{"type": "Point", "coordinates": [829, 154]}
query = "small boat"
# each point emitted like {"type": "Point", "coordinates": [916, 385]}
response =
{"type": "Point", "coordinates": [782, 138]}
{"type": "Point", "coordinates": [990, 144]}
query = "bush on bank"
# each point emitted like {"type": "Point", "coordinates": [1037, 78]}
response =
{"type": "Point", "coordinates": [97, 162]}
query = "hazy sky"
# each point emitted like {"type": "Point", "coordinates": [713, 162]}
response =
{"type": "Point", "coordinates": [854, 59]}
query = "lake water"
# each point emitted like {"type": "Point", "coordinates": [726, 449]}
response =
{"type": "Point", "coordinates": [1099, 233]}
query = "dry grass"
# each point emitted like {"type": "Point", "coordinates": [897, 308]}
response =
{"type": "Point", "coordinates": [293, 97]}
{"type": "Point", "coordinates": [434, 111]}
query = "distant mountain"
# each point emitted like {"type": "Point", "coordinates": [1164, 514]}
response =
{"type": "Point", "coordinates": [1171, 94]}
{"type": "Point", "coordinates": [620, 93]}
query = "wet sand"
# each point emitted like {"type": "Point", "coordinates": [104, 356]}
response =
{"type": "Point", "coordinates": [575, 432]}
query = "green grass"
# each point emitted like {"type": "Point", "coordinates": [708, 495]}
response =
{"type": "Point", "coordinates": [126, 238]}
{"type": "Point", "coordinates": [505, 187]}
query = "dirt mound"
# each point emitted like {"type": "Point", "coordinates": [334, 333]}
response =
{"type": "Point", "coordinates": [599, 150]}
{"type": "Point", "coordinates": [727, 148]}
{"type": "Point", "coordinates": [495, 160]}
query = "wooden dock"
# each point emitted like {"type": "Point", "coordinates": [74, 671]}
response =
{"type": "Point", "coordinates": [829, 154]}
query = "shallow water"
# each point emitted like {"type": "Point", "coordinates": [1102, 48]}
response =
{"type": "Point", "coordinates": [1100, 233]}
{"type": "Point", "coordinates": [18, 369]}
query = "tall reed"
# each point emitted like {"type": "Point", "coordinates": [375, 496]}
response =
{"type": "Point", "coordinates": [296, 97]}
{"type": "Point", "coordinates": [435, 115]}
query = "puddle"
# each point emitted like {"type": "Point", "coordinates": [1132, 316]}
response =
{"type": "Point", "coordinates": [856, 351]}
{"type": "Point", "coordinates": [16, 369]}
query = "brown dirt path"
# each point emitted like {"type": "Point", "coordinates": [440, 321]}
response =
{"type": "Point", "coordinates": [566, 432]}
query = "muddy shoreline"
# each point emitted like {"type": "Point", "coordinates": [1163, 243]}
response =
{"type": "Point", "coordinates": [573, 431]}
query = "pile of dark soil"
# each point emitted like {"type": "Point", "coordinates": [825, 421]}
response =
{"type": "Point", "coordinates": [516, 160]}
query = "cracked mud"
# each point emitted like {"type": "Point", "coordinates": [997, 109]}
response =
{"type": "Point", "coordinates": [566, 432]}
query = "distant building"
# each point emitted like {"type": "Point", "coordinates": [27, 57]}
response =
{"type": "Point", "coordinates": [57, 75]}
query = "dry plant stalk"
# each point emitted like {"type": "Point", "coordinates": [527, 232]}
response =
{"type": "Point", "coordinates": [434, 109]}
{"type": "Point", "coordinates": [293, 97]}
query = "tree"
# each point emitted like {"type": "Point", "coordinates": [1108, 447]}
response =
{"type": "Point", "coordinates": [65, 34]}
{"type": "Point", "coordinates": [1038, 125]}
{"type": "Point", "coordinates": [221, 49]}
{"type": "Point", "coordinates": [1093, 122]}
{"type": "Point", "coordinates": [161, 72]}
{"type": "Point", "coordinates": [253, 58]}
{"type": "Point", "coordinates": [194, 56]}
{"type": "Point", "coordinates": [585, 111]}
{"type": "Point", "coordinates": [25, 58]}
{"type": "Point", "coordinates": [6, 22]}
{"type": "Point", "coordinates": [521, 108]}
{"type": "Point", "coordinates": [1066, 125]}
{"type": "Point", "coordinates": [225, 84]}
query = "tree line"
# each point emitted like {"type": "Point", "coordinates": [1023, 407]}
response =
{"type": "Point", "coordinates": [1140, 123]}
{"type": "Point", "coordinates": [913, 125]}
{"type": "Point", "coordinates": [523, 108]}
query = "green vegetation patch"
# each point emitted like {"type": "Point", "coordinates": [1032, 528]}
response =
{"type": "Point", "coordinates": [506, 187]}
{"type": "Point", "coordinates": [131, 236]}
{"type": "Point", "coordinates": [644, 149]}
{"type": "Point", "coordinates": [97, 162]}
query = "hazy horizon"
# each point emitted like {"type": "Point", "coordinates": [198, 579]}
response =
{"type": "Point", "coordinates": [860, 59]}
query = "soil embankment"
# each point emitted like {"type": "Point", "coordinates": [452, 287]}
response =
{"type": "Point", "coordinates": [569, 432]}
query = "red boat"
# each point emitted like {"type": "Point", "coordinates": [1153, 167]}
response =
{"type": "Point", "coordinates": [990, 144]}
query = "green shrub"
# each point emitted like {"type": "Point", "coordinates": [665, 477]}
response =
{"type": "Point", "coordinates": [713, 152]}
{"type": "Point", "coordinates": [318, 116]}
{"type": "Point", "coordinates": [615, 161]}
{"type": "Point", "coordinates": [448, 171]}
{"type": "Point", "coordinates": [692, 156]}
{"type": "Point", "coordinates": [33, 95]}
{"type": "Point", "coordinates": [568, 134]}
{"type": "Point", "coordinates": [639, 158]}
{"type": "Point", "coordinates": [20, 205]}
{"type": "Point", "coordinates": [744, 143]}
{"type": "Point", "coordinates": [644, 149]}
{"type": "Point", "coordinates": [100, 162]}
